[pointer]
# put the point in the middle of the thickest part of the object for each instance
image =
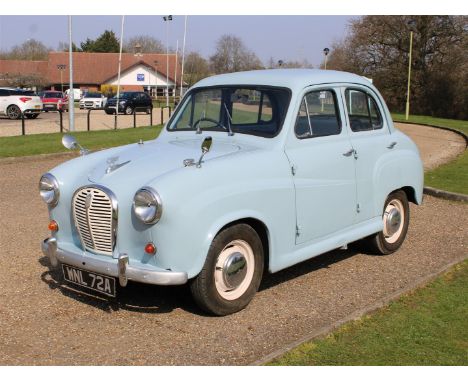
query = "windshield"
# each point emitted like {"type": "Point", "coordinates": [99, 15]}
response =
{"type": "Point", "coordinates": [254, 110]}
{"type": "Point", "coordinates": [93, 95]}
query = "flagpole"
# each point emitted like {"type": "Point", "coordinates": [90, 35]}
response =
{"type": "Point", "coordinates": [175, 69]}
{"type": "Point", "coordinates": [71, 95]}
{"type": "Point", "coordinates": [183, 59]}
{"type": "Point", "coordinates": [118, 73]}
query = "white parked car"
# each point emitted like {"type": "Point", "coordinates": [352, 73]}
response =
{"type": "Point", "coordinates": [93, 101]}
{"type": "Point", "coordinates": [13, 102]}
{"type": "Point", "coordinates": [77, 94]}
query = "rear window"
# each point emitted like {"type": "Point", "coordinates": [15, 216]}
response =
{"type": "Point", "coordinates": [93, 95]}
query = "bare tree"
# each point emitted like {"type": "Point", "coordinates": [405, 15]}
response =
{"type": "Point", "coordinates": [19, 80]}
{"type": "Point", "coordinates": [196, 68]}
{"type": "Point", "coordinates": [232, 56]}
{"type": "Point", "coordinates": [147, 44]}
{"type": "Point", "coordinates": [29, 50]}
{"type": "Point", "coordinates": [378, 47]}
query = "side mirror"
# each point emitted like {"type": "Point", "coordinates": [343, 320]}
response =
{"type": "Point", "coordinates": [69, 142]}
{"type": "Point", "coordinates": [206, 144]}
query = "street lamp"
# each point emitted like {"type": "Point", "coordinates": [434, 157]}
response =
{"type": "Point", "coordinates": [61, 67]}
{"type": "Point", "coordinates": [325, 52]}
{"type": "Point", "coordinates": [167, 19]}
{"type": "Point", "coordinates": [412, 27]}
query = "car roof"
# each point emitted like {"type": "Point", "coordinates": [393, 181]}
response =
{"type": "Point", "coordinates": [294, 79]}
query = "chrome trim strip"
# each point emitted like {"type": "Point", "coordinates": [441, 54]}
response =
{"type": "Point", "coordinates": [110, 267]}
{"type": "Point", "coordinates": [115, 212]}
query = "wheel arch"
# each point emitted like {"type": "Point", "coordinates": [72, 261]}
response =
{"type": "Point", "coordinates": [262, 231]}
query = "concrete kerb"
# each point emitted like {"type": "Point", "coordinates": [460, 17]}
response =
{"type": "Point", "coordinates": [323, 331]}
{"type": "Point", "coordinates": [435, 191]}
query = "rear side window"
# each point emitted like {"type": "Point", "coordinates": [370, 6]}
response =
{"type": "Point", "coordinates": [363, 111]}
{"type": "Point", "coordinates": [318, 115]}
{"type": "Point", "coordinates": [4, 92]}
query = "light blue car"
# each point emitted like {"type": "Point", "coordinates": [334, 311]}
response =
{"type": "Point", "coordinates": [255, 171]}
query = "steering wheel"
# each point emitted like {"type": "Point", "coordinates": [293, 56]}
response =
{"type": "Point", "coordinates": [217, 123]}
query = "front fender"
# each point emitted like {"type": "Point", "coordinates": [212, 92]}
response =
{"type": "Point", "coordinates": [199, 202]}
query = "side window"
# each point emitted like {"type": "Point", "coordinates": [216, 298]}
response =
{"type": "Point", "coordinates": [363, 113]}
{"type": "Point", "coordinates": [318, 115]}
{"type": "Point", "coordinates": [4, 93]}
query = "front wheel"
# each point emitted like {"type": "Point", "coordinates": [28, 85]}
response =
{"type": "Point", "coordinates": [232, 271]}
{"type": "Point", "coordinates": [128, 110]}
{"type": "Point", "coordinates": [395, 222]}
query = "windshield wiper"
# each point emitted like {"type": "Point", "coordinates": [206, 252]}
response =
{"type": "Point", "coordinates": [230, 133]}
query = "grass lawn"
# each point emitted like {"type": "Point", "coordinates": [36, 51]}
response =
{"type": "Point", "coordinates": [426, 327]}
{"type": "Point", "coordinates": [452, 176]}
{"type": "Point", "coordinates": [93, 140]}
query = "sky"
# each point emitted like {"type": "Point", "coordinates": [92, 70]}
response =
{"type": "Point", "coordinates": [281, 37]}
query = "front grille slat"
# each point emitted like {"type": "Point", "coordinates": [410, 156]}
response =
{"type": "Point", "coordinates": [95, 224]}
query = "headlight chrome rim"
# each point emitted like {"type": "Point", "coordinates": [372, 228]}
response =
{"type": "Point", "coordinates": [51, 181]}
{"type": "Point", "coordinates": [154, 201]}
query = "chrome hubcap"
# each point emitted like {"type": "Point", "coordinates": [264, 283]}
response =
{"type": "Point", "coordinates": [393, 219]}
{"type": "Point", "coordinates": [234, 270]}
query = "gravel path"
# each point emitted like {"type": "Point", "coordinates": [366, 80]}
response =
{"type": "Point", "coordinates": [43, 322]}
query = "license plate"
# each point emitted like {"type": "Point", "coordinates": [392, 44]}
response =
{"type": "Point", "coordinates": [37, 106]}
{"type": "Point", "coordinates": [49, 106]}
{"type": "Point", "coordinates": [99, 283]}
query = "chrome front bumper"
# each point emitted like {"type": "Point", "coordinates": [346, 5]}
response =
{"type": "Point", "coordinates": [120, 268]}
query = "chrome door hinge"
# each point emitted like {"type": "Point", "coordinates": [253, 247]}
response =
{"type": "Point", "coordinates": [298, 230]}
{"type": "Point", "coordinates": [358, 208]}
{"type": "Point", "coordinates": [293, 169]}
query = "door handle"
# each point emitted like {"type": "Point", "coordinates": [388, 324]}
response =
{"type": "Point", "coordinates": [348, 153]}
{"type": "Point", "coordinates": [391, 145]}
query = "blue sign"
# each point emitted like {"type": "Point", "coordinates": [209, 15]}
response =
{"type": "Point", "coordinates": [140, 77]}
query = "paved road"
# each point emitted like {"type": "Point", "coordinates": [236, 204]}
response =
{"type": "Point", "coordinates": [99, 120]}
{"type": "Point", "coordinates": [43, 322]}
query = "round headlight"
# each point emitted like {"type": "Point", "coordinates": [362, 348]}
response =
{"type": "Point", "coordinates": [49, 190]}
{"type": "Point", "coordinates": [147, 205]}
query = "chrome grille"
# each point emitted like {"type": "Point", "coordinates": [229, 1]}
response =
{"type": "Point", "coordinates": [95, 215]}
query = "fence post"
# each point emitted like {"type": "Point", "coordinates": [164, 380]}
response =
{"type": "Point", "coordinates": [162, 116]}
{"type": "Point", "coordinates": [134, 117]}
{"type": "Point", "coordinates": [89, 112]}
{"type": "Point", "coordinates": [23, 130]}
{"type": "Point", "coordinates": [61, 120]}
{"type": "Point", "coordinates": [151, 117]}
{"type": "Point", "coordinates": [115, 120]}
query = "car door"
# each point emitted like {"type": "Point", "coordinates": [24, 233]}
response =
{"type": "Point", "coordinates": [322, 161]}
{"type": "Point", "coordinates": [370, 138]}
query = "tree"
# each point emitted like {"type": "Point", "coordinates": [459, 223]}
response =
{"type": "Point", "coordinates": [147, 43]}
{"type": "Point", "coordinates": [107, 42]}
{"type": "Point", "coordinates": [196, 68]}
{"type": "Point", "coordinates": [232, 56]}
{"type": "Point", "coordinates": [29, 50]}
{"type": "Point", "coordinates": [63, 47]}
{"type": "Point", "coordinates": [19, 80]}
{"type": "Point", "coordinates": [378, 47]}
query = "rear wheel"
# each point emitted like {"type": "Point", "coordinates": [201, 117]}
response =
{"type": "Point", "coordinates": [14, 112]}
{"type": "Point", "coordinates": [395, 221]}
{"type": "Point", "coordinates": [128, 110]}
{"type": "Point", "coordinates": [232, 271]}
{"type": "Point", "coordinates": [149, 110]}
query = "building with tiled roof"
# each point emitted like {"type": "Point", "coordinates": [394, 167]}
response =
{"type": "Point", "coordinates": [143, 72]}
